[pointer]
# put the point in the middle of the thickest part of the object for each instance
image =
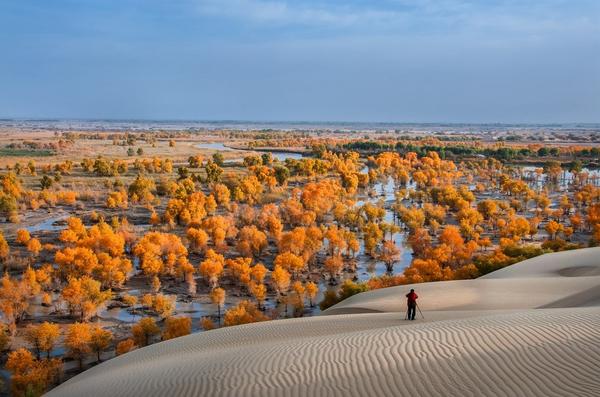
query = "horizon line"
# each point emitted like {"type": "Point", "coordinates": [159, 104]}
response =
{"type": "Point", "coordinates": [255, 121]}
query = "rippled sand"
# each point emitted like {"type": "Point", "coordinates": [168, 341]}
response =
{"type": "Point", "coordinates": [532, 329]}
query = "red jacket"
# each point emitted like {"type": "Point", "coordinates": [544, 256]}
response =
{"type": "Point", "coordinates": [412, 297]}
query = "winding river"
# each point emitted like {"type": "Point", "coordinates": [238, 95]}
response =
{"type": "Point", "coordinates": [220, 146]}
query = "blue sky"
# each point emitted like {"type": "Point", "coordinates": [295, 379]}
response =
{"type": "Point", "coordinates": [392, 60]}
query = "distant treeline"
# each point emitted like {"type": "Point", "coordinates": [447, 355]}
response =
{"type": "Point", "coordinates": [500, 153]}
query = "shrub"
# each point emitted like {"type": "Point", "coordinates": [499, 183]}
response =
{"type": "Point", "coordinates": [176, 327]}
{"type": "Point", "coordinates": [207, 324]}
{"type": "Point", "coordinates": [125, 346]}
{"type": "Point", "coordinates": [347, 289]}
{"type": "Point", "coordinates": [386, 281]}
{"type": "Point", "coordinates": [244, 313]}
{"type": "Point", "coordinates": [559, 245]}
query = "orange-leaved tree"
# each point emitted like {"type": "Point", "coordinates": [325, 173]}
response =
{"type": "Point", "coordinates": [42, 337]}
{"type": "Point", "coordinates": [100, 340]}
{"type": "Point", "coordinates": [244, 313]}
{"type": "Point", "coordinates": [77, 341]}
{"type": "Point", "coordinates": [176, 327]}
{"type": "Point", "coordinates": [144, 331]}
{"type": "Point", "coordinates": [212, 267]}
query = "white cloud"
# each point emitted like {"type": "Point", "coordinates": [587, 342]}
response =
{"type": "Point", "coordinates": [290, 13]}
{"type": "Point", "coordinates": [449, 16]}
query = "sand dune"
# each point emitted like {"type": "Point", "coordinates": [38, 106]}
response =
{"type": "Point", "coordinates": [572, 277]}
{"type": "Point", "coordinates": [577, 263]}
{"type": "Point", "coordinates": [480, 337]}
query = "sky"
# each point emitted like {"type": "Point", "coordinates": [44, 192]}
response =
{"type": "Point", "coordinates": [506, 61]}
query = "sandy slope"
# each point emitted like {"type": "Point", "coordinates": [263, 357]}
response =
{"type": "Point", "coordinates": [488, 336]}
{"type": "Point", "coordinates": [539, 282]}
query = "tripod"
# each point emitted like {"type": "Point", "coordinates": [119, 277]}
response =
{"type": "Point", "coordinates": [420, 312]}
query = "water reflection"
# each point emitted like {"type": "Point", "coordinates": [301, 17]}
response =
{"type": "Point", "coordinates": [275, 154]}
{"type": "Point", "coordinates": [52, 224]}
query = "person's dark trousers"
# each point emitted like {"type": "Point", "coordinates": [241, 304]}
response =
{"type": "Point", "coordinates": [412, 309]}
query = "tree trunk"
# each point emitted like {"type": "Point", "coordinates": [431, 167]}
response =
{"type": "Point", "coordinates": [389, 267]}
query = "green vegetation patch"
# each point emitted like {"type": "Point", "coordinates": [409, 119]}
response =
{"type": "Point", "coordinates": [9, 152]}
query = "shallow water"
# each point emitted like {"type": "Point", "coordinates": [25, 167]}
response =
{"type": "Point", "coordinates": [48, 225]}
{"type": "Point", "coordinates": [368, 267]}
{"type": "Point", "coordinates": [220, 146]}
{"type": "Point", "coordinates": [120, 314]}
{"type": "Point", "coordinates": [565, 178]}
{"type": "Point", "coordinates": [215, 146]}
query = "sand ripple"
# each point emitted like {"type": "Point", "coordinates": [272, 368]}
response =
{"type": "Point", "coordinates": [550, 352]}
{"type": "Point", "coordinates": [532, 329]}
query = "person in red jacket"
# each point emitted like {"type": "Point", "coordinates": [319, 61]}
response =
{"type": "Point", "coordinates": [411, 301]}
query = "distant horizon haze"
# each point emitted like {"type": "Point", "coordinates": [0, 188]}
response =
{"type": "Point", "coordinates": [358, 127]}
{"type": "Point", "coordinates": [294, 121]}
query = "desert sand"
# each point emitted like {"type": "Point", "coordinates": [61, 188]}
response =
{"type": "Point", "coordinates": [531, 329]}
